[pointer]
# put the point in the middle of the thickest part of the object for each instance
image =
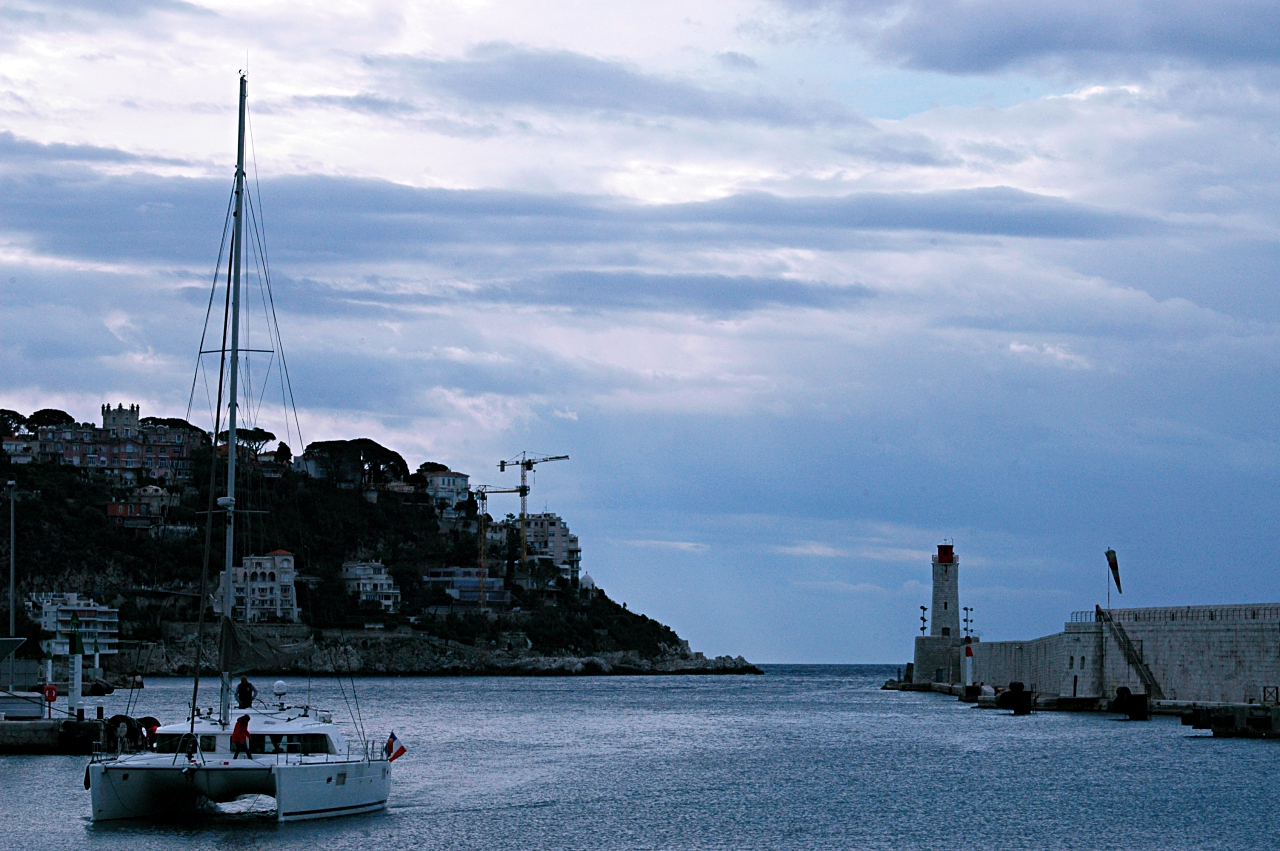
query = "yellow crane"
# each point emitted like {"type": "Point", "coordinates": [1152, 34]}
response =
{"type": "Point", "coordinates": [526, 463]}
{"type": "Point", "coordinates": [482, 524]}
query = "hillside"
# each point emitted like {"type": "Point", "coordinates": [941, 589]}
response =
{"type": "Point", "coordinates": [67, 542]}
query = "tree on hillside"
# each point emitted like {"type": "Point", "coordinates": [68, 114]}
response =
{"type": "Point", "coordinates": [360, 461]}
{"type": "Point", "coordinates": [252, 438]}
{"type": "Point", "coordinates": [432, 467]}
{"type": "Point", "coordinates": [283, 453]}
{"type": "Point", "coordinates": [50, 417]}
{"type": "Point", "coordinates": [11, 422]}
{"type": "Point", "coordinates": [171, 422]}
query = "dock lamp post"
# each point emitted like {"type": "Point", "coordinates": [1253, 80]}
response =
{"type": "Point", "coordinates": [923, 620]}
{"type": "Point", "coordinates": [12, 488]}
{"type": "Point", "coordinates": [968, 620]}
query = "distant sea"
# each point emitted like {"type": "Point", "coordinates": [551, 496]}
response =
{"type": "Point", "coordinates": [804, 757]}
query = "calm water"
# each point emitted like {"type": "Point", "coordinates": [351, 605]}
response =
{"type": "Point", "coordinates": [803, 757]}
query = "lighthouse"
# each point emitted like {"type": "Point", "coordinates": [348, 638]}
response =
{"type": "Point", "coordinates": [937, 656]}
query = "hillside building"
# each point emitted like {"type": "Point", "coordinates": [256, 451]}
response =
{"type": "Point", "coordinates": [62, 614]}
{"type": "Point", "coordinates": [122, 447]}
{"type": "Point", "coordinates": [463, 585]}
{"type": "Point", "coordinates": [548, 536]}
{"type": "Point", "coordinates": [370, 583]}
{"type": "Point", "coordinates": [448, 487]}
{"type": "Point", "coordinates": [263, 589]}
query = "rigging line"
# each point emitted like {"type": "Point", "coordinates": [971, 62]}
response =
{"type": "Point", "coordinates": [209, 308]}
{"type": "Point", "coordinates": [260, 264]}
{"type": "Point", "coordinates": [266, 263]}
{"type": "Point", "coordinates": [213, 482]}
{"type": "Point", "coordinates": [287, 397]}
{"type": "Point", "coordinates": [364, 736]}
{"type": "Point", "coordinates": [333, 656]}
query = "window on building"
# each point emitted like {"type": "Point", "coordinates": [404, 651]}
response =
{"type": "Point", "coordinates": [1071, 662]}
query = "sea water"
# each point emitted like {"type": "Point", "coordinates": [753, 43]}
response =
{"type": "Point", "coordinates": [802, 757]}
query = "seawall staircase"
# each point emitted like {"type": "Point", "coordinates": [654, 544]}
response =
{"type": "Point", "coordinates": [1131, 654]}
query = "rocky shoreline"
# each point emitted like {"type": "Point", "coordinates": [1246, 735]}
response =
{"type": "Point", "coordinates": [410, 654]}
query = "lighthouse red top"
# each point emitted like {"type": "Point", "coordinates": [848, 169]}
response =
{"type": "Point", "coordinates": [945, 554]}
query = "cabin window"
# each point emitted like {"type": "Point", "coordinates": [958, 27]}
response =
{"type": "Point", "coordinates": [1071, 662]}
{"type": "Point", "coordinates": [1081, 661]}
{"type": "Point", "coordinates": [179, 743]}
{"type": "Point", "coordinates": [300, 743]}
{"type": "Point", "coordinates": [944, 605]}
{"type": "Point", "coordinates": [946, 630]}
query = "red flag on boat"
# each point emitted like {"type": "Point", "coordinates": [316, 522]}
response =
{"type": "Point", "coordinates": [394, 749]}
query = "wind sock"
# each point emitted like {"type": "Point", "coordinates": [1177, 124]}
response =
{"type": "Point", "coordinates": [394, 749]}
{"type": "Point", "coordinates": [1115, 569]}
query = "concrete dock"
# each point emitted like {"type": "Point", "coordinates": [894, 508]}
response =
{"type": "Point", "coordinates": [50, 736]}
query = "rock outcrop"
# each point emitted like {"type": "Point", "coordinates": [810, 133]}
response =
{"type": "Point", "coordinates": [417, 654]}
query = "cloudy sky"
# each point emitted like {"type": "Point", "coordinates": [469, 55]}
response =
{"type": "Point", "coordinates": [802, 287]}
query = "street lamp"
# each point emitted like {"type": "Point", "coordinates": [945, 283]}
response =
{"type": "Point", "coordinates": [12, 488]}
{"type": "Point", "coordinates": [968, 620]}
{"type": "Point", "coordinates": [923, 619]}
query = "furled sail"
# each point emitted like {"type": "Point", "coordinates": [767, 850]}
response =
{"type": "Point", "coordinates": [242, 651]}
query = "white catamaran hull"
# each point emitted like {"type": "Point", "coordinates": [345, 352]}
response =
{"type": "Point", "coordinates": [134, 788]}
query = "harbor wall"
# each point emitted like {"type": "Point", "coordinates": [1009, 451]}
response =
{"type": "Point", "coordinates": [1227, 653]}
{"type": "Point", "coordinates": [1047, 665]}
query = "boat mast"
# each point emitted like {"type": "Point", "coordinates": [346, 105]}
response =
{"type": "Point", "coordinates": [229, 501]}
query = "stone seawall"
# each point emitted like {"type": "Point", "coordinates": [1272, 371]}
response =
{"type": "Point", "coordinates": [418, 654]}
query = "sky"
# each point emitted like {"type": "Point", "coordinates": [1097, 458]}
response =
{"type": "Point", "coordinates": [802, 288]}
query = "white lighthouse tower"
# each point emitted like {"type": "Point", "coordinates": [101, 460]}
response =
{"type": "Point", "coordinates": [937, 657]}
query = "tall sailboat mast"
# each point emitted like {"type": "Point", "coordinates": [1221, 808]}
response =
{"type": "Point", "coordinates": [229, 501]}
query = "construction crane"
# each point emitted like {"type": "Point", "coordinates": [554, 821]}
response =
{"type": "Point", "coordinates": [482, 519]}
{"type": "Point", "coordinates": [526, 463]}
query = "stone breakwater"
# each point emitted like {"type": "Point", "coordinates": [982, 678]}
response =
{"type": "Point", "coordinates": [415, 654]}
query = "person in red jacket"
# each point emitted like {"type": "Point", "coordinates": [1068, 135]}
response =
{"type": "Point", "coordinates": [240, 738]}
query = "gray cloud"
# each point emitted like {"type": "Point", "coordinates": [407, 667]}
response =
{"type": "Point", "coordinates": [14, 150]}
{"type": "Point", "coordinates": [83, 14]}
{"type": "Point", "coordinates": [738, 61]}
{"type": "Point", "coordinates": [506, 76]}
{"type": "Point", "coordinates": [983, 36]}
{"type": "Point", "coordinates": [74, 211]}
{"type": "Point", "coordinates": [582, 290]}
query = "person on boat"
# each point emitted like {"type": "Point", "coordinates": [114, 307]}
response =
{"type": "Point", "coordinates": [245, 693]}
{"type": "Point", "coordinates": [240, 738]}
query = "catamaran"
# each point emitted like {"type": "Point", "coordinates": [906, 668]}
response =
{"type": "Point", "coordinates": [296, 754]}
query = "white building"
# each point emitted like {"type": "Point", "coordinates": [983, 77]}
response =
{"type": "Point", "coordinates": [370, 582]}
{"type": "Point", "coordinates": [263, 587]}
{"type": "Point", "coordinates": [21, 450]}
{"type": "Point", "coordinates": [448, 487]}
{"type": "Point", "coordinates": [549, 537]}
{"type": "Point", "coordinates": [157, 499]}
{"type": "Point", "coordinates": [62, 614]}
